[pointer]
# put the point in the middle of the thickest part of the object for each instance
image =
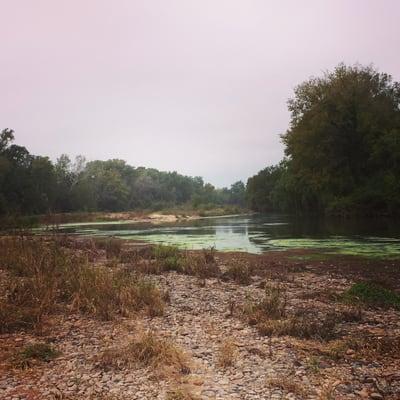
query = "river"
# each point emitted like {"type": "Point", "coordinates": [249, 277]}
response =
{"type": "Point", "coordinates": [259, 233]}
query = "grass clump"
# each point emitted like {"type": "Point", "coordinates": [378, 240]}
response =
{"type": "Point", "coordinates": [105, 294]}
{"type": "Point", "coordinates": [287, 384]}
{"type": "Point", "coordinates": [271, 306]}
{"type": "Point", "coordinates": [170, 258]}
{"type": "Point", "coordinates": [14, 318]}
{"type": "Point", "coordinates": [147, 350]}
{"type": "Point", "coordinates": [270, 317]}
{"type": "Point", "coordinates": [372, 294]}
{"type": "Point", "coordinates": [301, 327]}
{"type": "Point", "coordinates": [227, 354]}
{"type": "Point", "coordinates": [366, 347]}
{"type": "Point", "coordinates": [180, 394]}
{"type": "Point", "coordinates": [112, 246]}
{"type": "Point", "coordinates": [42, 277]}
{"type": "Point", "coordinates": [239, 273]}
{"type": "Point", "coordinates": [33, 353]}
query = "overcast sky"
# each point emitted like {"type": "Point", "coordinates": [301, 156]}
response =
{"type": "Point", "coordinates": [197, 86]}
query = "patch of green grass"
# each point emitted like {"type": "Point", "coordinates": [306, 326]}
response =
{"type": "Point", "coordinates": [163, 252]}
{"type": "Point", "coordinates": [35, 352]}
{"type": "Point", "coordinates": [372, 294]}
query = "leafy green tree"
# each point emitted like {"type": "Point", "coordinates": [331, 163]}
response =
{"type": "Point", "coordinates": [344, 140]}
{"type": "Point", "coordinates": [342, 148]}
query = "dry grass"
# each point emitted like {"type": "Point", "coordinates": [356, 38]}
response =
{"type": "Point", "coordinates": [327, 392]}
{"type": "Point", "coordinates": [43, 276]}
{"type": "Point", "coordinates": [323, 294]}
{"type": "Point", "coordinates": [106, 294]}
{"type": "Point", "coordinates": [270, 317]}
{"type": "Point", "coordinates": [303, 327]}
{"type": "Point", "coordinates": [287, 384]}
{"type": "Point", "coordinates": [147, 350]}
{"type": "Point", "coordinates": [180, 394]}
{"type": "Point", "coordinates": [227, 353]}
{"type": "Point", "coordinates": [112, 246]}
{"type": "Point", "coordinates": [239, 273]}
{"type": "Point", "coordinates": [363, 347]}
{"type": "Point", "coordinates": [271, 306]}
{"type": "Point", "coordinates": [170, 258]}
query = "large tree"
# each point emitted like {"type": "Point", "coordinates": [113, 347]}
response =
{"type": "Point", "coordinates": [343, 143]}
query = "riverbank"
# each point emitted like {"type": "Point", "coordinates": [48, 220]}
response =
{"type": "Point", "coordinates": [167, 215]}
{"type": "Point", "coordinates": [198, 325]}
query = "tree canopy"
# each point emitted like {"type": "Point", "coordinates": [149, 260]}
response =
{"type": "Point", "coordinates": [34, 185]}
{"type": "Point", "coordinates": [342, 148]}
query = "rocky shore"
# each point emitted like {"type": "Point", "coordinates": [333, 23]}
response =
{"type": "Point", "coordinates": [228, 355]}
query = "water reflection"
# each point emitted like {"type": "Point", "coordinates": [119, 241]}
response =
{"type": "Point", "coordinates": [260, 233]}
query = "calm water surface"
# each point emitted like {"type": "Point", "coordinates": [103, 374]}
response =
{"type": "Point", "coordinates": [259, 233]}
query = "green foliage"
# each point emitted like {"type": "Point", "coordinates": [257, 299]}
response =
{"type": "Point", "coordinates": [342, 148]}
{"type": "Point", "coordinates": [372, 294]}
{"type": "Point", "coordinates": [34, 185]}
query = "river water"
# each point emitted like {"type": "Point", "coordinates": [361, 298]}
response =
{"type": "Point", "coordinates": [259, 233]}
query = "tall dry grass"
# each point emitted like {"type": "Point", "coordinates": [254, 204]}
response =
{"type": "Point", "coordinates": [43, 276]}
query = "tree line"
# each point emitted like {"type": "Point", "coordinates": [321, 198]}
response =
{"type": "Point", "coordinates": [342, 148]}
{"type": "Point", "coordinates": [31, 184]}
{"type": "Point", "coordinates": [342, 156]}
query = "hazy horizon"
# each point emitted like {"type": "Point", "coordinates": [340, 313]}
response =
{"type": "Point", "coordinates": [196, 87]}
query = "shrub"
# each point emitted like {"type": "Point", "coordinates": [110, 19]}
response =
{"type": "Point", "coordinates": [372, 294]}
{"type": "Point", "coordinates": [372, 347]}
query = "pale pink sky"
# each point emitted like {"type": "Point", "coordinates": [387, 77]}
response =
{"type": "Point", "coordinates": [197, 86]}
